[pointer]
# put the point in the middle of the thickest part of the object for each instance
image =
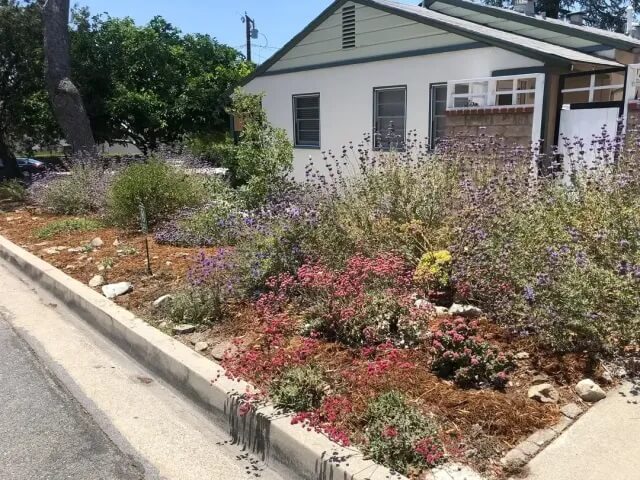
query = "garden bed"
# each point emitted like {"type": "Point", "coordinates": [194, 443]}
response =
{"type": "Point", "coordinates": [475, 426]}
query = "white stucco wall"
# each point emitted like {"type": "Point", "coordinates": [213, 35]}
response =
{"type": "Point", "coordinates": [346, 92]}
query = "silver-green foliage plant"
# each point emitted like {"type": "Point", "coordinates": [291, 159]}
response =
{"type": "Point", "coordinates": [399, 435]}
{"type": "Point", "coordinates": [299, 389]}
{"type": "Point", "coordinates": [81, 190]}
{"type": "Point", "coordinates": [12, 190]}
{"type": "Point", "coordinates": [161, 188]}
{"type": "Point", "coordinates": [67, 225]}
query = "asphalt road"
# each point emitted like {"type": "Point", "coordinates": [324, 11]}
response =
{"type": "Point", "coordinates": [44, 432]}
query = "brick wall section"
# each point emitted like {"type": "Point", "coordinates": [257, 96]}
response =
{"type": "Point", "coordinates": [511, 124]}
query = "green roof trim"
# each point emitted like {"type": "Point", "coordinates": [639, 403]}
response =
{"type": "Point", "coordinates": [571, 30]}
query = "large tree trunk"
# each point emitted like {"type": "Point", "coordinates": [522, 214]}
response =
{"type": "Point", "coordinates": [65, 97]}
{"type": "Point", "coordinates": [8, 159]}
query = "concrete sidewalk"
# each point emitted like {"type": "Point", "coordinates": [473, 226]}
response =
{"type": "Point", "coordinates": [604, 444]}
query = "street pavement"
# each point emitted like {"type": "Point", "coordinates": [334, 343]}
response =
{"type": "Point", "coordinates": [73, 406]}
{"type": "Point", "coordinates": [44, 432]}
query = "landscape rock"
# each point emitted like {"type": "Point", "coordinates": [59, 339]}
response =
{"type": "Point", "coordinates": [589, 391]}
{"type": "Point", "coordinates": [116, 242]}
{"type": "Point", "coordinates": [96, 281]}
{"type": "Point", "coordinates": [542, 437]}
{"type": "Point", "coordinates": [218, 351]}
{"type": "Point", "coordinates": [422, 303]}
{"type": "Point", "coordinates": [522, 356]}
{"type": "Point", "coordinates": [75, 250]}
{"type": "Point", "coordinates": [454, 471]}
{"type": "Point", "coordinates": [514, 459]}
{"type": "Point", "coordinates": [50, 251]}
{"type": "Point", "coordinates": [116, 289]}
{"type": "Point", "coordinates": [544, 393]}
{"type": "Point", "coordinates": [183, 329]}
{"type": "Point", "coordinates": [467, 311]}
{"type": "Point", "coordinates": [97, 242]}
{"type": "Point", "coordinates": [538, 379]}
{"type": "Point", "coordinates": [442, 312]}
{"type": "Point", "coordinates": [201, 346]}
{"type": "Point", "coordinates": [162, 301]}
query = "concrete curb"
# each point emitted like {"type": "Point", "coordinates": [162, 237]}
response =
{"type": "Point", "coordinates": [521, 454]}
{"type": "Point", "coordinates": [289, 449]}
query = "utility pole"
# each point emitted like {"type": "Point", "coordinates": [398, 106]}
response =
{"type": "Point", "coordinates": [251, 32]}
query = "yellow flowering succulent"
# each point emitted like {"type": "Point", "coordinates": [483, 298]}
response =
{"type": "Point", "coordinates": [434, 268]}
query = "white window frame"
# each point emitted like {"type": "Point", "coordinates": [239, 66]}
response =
{"type": "Point", "coordinates": [491, 94]}
{"type": "Point", "coordinates": [592, 88]}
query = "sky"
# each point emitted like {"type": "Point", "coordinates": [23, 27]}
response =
{"type": "Point", "coordinates": [277, 20]}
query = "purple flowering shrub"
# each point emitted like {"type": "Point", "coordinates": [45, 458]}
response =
{"type": "Point", "coordinates": [209, 293]}
{"type": "Point", "coordinates": [459, 353]}
{"type": "Point", "coordinates": [558, 261]}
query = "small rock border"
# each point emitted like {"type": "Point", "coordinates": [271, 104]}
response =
{"type": "Point", "coordinates": [519, 456]}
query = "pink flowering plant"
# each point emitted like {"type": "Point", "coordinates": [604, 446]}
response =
{"type": "Point", "coordinates": [369, 302]}
{"type": "Point", "coordinates": [459, 353]}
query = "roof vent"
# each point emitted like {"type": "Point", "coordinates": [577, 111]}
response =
{"type": "Point", "coordinates": [525, 6]}
{"type": "Point", "coordinates": [576, 18]}
{"type": "Point", "coordinates": [349, 26]}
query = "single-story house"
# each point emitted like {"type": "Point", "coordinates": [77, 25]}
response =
{"type": "Point", "coordinates": [447, 68]}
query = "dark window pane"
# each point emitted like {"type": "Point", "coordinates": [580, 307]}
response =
{"type": "Point", "coordinates": [307, 120]}
{"type": "Point", "coordinates": [389, 121]}
{"type": "Point", "coordinates": [506, 99]}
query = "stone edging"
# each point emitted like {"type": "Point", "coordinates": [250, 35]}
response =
{"type": "Point", "coordinates": [519, 456]}
{"type": "Point", "coordinates": [289, 449]}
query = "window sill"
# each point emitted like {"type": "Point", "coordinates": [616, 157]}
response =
{"type": "Point", "coordinates": [491, 110]}
{"type": "Point", "coordinates": [305, 147]}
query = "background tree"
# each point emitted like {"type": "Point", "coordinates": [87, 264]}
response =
{"type": "Point", "coordinates": [65, 97]}
{"type": "Point", "coordinates": [151, 84]}
{"type": "Point", "coordinates": [25, 112]}
{"type": "Point", "coordinates": [606, 14]}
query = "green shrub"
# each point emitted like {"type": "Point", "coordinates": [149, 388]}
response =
{"type": "Point", "coordinates": [12, 190]}
{"type": "Point", "coordinates": [161, 188]}
{"type": "Point", "coordinates": [67, 225]}
{"type": "Point", "coordinates": [197, 305]}
{"type": "Point", "coordinates": [82, 190]}
{"type": "Point", "coordinates": [299, 389]}
{"type": "Point", "coordinates": [399, 435]}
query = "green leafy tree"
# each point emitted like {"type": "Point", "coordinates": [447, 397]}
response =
{"type": "Point", "coordinates": [25, 112]}
{"type": "Point", "coordinates": [151, 84]}
{"type": "Point", "coordinates": [605, 14]}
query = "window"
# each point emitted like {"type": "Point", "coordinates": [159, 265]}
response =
{"type": "Point", "coordinates": [349, 26]}
{"type": "Point", "coordinates": [389, 111]}
{"type": "Point", "coordinates": [437, 128]}
{"type": "Point", "coordinates": [306, 120]}
{"type": "Point", "coordinates": [593, 88]}
{"type": "Point", "coordinates": [491, 92]}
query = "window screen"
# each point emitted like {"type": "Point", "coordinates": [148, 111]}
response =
{"type": "Point", "coordinates": [306, 119]}
{"type": "Point", "coordinates": [389, 118]}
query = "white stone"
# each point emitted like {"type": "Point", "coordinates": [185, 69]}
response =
{"type": "Point", "coordinates": [96, 281]}
{"type": "Point", "coordinates": [161, 301]}
{"type": "Point", "coordinates": [51, 251]}
{"type": "Point", "coordinates": [522, 356]}
{"type": "Point", "coordinates": [183, 329]}
{"type": "Point", "coordinates": [116, 242]}
{"type": "Point", "coordinates": [467, 311]}
{"type": "Point", "coordinates": [422, 303]}
{"type": "Point", "coordinates": [220, 350]}
{"type": "Point", "coordinates": [201, 346]}
{"type": "Point", "coordinates": [76, 250]}
{"type": "Point", "coordinates": [442, 312]}
{"type": "Point", "coordinates": [97, 242]}
{"type": "Point", "coordinates": [589, 391]}
{"type": "Point", "coordinates": [116, 289]}
{"type": "Point", "coordinates": [544, 393]}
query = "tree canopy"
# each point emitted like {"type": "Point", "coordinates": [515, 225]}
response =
{"type": "Point", "coordinates": [25, 111]}
{"type": "Point", "coordinates": [151, 84]}
{"type": "Point", "coordinates": [605, 14]}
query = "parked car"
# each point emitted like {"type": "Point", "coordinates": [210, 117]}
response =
{"type": "Point", "coordinates": [31, 165]}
